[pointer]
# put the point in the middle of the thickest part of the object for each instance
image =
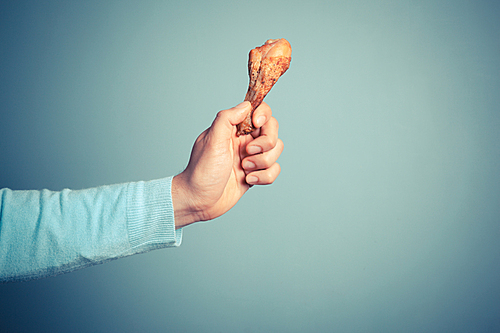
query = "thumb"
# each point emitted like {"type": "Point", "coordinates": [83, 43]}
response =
{"type": "Point", "coordinates": [226, 119]}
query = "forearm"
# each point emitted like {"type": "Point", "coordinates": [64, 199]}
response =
{"type": "Point", "coordinates": [45, 233]}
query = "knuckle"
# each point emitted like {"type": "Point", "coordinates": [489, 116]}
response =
{"type": "Point", "coordinates": [268, 142]}
{"type": "Point", "coordinates": [269, 176]}
{"type": "Point", "coordinates": [280, 144]}
{"type": "Point", "coordinates": [275, 122]}
{"type": "Point", "coordinates": [265, 107]}
{"type": "Point", "coordinates": [268, 160]}
{"type": "Point", "coordinates": [221, 114]}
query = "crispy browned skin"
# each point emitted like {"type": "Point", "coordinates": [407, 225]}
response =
{"type": "Point", "coordinates": [266, 64]}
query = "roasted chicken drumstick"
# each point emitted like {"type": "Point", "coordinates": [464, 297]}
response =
{"type": "Point", "coordinates": [266, 64]}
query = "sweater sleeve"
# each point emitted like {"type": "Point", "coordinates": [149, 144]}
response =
{"type": "Point", "coordinates": [45, 233]}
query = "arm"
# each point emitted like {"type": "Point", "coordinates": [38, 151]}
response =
{"type": "Point", "coordinates": [44, 233]}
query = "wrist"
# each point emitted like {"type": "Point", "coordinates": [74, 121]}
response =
{"type": "Point", "coordinates": [184, 213]}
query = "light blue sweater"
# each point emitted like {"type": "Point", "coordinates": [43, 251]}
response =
{"type": "Point", "coordinates": [44, 233]}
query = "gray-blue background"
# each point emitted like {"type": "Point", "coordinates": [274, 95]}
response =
{"type": "Point", "coordinates": [386, 216]}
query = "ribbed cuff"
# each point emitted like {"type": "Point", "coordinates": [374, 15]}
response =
{"type": "Point", "coordinates": [150, 214]}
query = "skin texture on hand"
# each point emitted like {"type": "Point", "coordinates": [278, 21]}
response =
{"type": "Point", "coordinates": [223, 166]}
{"type": "Point", "coordinates": [266, 64]}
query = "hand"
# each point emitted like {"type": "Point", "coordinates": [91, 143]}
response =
{"type": "Point", "coordinates": [224, 166]}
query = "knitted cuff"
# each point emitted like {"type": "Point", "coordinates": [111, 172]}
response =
{"type": "Point", "coordinates": [150, 214]}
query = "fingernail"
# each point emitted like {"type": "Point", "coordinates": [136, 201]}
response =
{"type": "Point", "coordinates": [241, 105]}
{"type": "Point", "coordinates": [260, 121]}
{"type": "Point", "coordinates": [248, 165]}
{"type": "Point", "coordinates": [254, 150]}
{"type": "Point", "coordinates": [252, 179]}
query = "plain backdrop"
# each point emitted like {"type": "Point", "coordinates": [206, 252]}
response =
{"type": "Point", "coordinates": [385, 218]}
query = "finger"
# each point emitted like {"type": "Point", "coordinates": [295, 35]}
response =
{"type": "Point", "coordinates": [226, 119]}
{"type": "Point", "coordinates": [266, 140]}
{"type": "Point", "coordinates": [264, 160]}
{"type": "Point", "coordinates": [261, 115]}
{"type": "Point", "coordinates": [264, 177]}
